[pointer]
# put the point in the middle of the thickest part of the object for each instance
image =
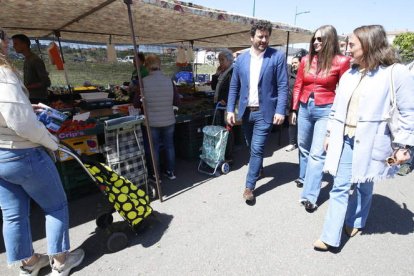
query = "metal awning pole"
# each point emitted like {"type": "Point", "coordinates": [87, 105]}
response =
{"type": "Point", "coordinates": [144, 102]}
{"type": "Point", "coordinates": [287, 45]}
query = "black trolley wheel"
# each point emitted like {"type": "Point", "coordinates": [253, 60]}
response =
{"type": "Point", "coordinates": [103, 220]}
{"type": "Point", "coordinates": [152, 192]}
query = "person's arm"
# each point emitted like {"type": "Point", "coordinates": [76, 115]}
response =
{"type": "Point", "coordinates": [344, 66]}
{"type": "Point", "coordinates": [214, 81]}
{"type": "Point", "coordinates": [342, 85]}
{"type": "Point", "coordinates": [20, 117]}
{"type": "Point", "coordinates": [297, 88]}
{"type": "Point", "coordinates": [282, 83]}
{"type": "Point", "coordinates": [223, 93]}
{"type": "Point", "coordinates": [404, 91]}
{"type": "Point", "coordinates": [234, 91]}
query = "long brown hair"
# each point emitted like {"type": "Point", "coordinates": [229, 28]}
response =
{"type": "Point", "coordinates": [330, 48]}
{"type": "Point", "coordinates": [375, 46]}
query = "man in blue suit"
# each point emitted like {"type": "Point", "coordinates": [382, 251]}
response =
{"type": "Point", "coordinates": [260, 83]}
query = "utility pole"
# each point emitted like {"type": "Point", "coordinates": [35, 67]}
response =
{"type": "Point", "coordinates": [254, 7]}
{"type": "Point", "coordinates": [298, 13]}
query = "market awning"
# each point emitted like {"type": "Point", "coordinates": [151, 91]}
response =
{"type": "Point", "coordinates": [155, 22]}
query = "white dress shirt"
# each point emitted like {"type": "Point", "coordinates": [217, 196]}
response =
{"type": "Point", "coordinates": [255, 67]}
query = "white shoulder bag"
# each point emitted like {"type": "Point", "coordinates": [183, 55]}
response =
{"type": "Point", "coordinates": [392, 120]}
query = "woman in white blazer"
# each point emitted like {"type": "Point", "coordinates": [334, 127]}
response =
{"type": "Point", "coordinates": [28, 173]}
{"type": "Point", "coordinates": [358, 140]}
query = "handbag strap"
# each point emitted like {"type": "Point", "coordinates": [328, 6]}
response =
{"type": "Point", "coordinates": [393, 96]}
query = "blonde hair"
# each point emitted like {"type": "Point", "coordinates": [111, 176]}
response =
{"type": "Point", "coordinates": [153, 62]}
{"type": "Point", "coordinates": [3, 57]}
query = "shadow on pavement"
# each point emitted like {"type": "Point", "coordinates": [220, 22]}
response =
{"type": "Point", "coordinates": [387, 216]}
{"type": "Point", "coordinates": [281, 173]}
{"type": "Point", "coordinates": [188, 176]}
{"type": "Point", "coordinates": [327, 187]}
{"type": "Point", "coordinates": [95, 245]}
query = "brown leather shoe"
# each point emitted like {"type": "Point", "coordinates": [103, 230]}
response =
{"type": "Point", "coordinates": [350, 231]}
{"type": "Point", "coordinates": [320, 245]}
{"type": "Point", "coordinates": [248, 194]}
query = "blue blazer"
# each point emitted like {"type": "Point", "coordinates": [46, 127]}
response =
{"type": "Point", "coordinates": [273, 85]}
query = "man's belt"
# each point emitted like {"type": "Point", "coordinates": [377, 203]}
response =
{"type": "Point", "coordinates": [253, 108]}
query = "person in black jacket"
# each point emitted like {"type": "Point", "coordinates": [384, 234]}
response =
{"type": "Point", "coordinates": [221, 79]}
{"type": "Point", "coordinates": [293, 128]}
{"type": "Point", "coordinates": [220, 84]}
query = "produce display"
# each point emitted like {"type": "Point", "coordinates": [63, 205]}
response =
{"type": "Point", "coordinates": [195, 106]}
{"type": "Point", "coordinates": [121, 93]}
{"type": "Point", "coordinates": [74, 125]}
{"type": "Point", "coordinates": [59, 104]}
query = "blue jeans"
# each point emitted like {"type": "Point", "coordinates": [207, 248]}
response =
{"type": "Point", "coordinates": [164, 136]}
{"type": "Point", "coordinates": [312, 120]}
{"type": "Point", "coordinates": [354, 209]}
{"type": "Point", "coordinates": [25, 174]}
{"type": "Point", "coordinates": [256, 131]}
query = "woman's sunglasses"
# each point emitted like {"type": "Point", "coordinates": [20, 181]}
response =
{"type": "Point", "coordinates": [318, 39]}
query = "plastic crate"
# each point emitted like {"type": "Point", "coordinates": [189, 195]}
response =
{"type": "Point", "coordinates": [189, 137]}
{"type": "Point", "coordinates": [190, 130]}
{"type": "Point", "coordinates": [75, 181]}
{"type": "Point", "coordinates": [190, 150]}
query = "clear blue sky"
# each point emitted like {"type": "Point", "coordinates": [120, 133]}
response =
{"type": "Point", "coordinates": [394, 15]}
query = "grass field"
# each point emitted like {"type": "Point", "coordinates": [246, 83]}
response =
{"type": "Point", "coordinates": [103, 74]}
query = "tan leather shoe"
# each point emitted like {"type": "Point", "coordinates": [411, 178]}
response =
{"type": "Point", "coordinates": [350, 231]}
{"type": "Point", "coordinates": [320, 245]}
{"type": "Point", "coordinates": [248, 194]}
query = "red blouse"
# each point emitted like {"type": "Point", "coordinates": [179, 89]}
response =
{"type": "Point", "coordinates": [322, 85]}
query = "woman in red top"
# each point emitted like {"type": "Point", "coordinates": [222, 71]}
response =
{"type": "Point", "coordinates": [313, 94]}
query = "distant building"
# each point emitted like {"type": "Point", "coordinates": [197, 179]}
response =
{"type": "Point", "coordinates": [391, 35]}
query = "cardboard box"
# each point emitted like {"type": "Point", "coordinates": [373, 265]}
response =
{"type": "Point", "coordinates": [50, 117]}
{"type": "Point", "coordinates": [82, 145]}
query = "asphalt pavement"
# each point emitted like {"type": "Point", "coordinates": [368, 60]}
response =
{"type": "Point", "coordinates": [204, 227]}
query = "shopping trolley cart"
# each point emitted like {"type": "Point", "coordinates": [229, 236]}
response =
{"type": "Point", "coordinates": [131, 202]}
{"type": "Point", "coordinates": [214, 147]}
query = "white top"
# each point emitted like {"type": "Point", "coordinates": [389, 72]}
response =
{"type": "Point", "coordinates": [19, 127]}
{"type": "Point", "coordinates": [255, 67]}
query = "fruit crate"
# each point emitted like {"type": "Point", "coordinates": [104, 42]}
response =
{"type": "Point", "coordinates": [87, 144]}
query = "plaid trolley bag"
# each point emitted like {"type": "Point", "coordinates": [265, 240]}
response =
{"type": "Point", "coordinates": [130, 201]}
{"type": "Point", "coordinates": [214, 147]}
{"type": "Point", "coordinates": [124, 150]}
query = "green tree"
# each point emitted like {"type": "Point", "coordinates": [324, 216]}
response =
{"type": "Point", "coordinates": [405, 44]}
